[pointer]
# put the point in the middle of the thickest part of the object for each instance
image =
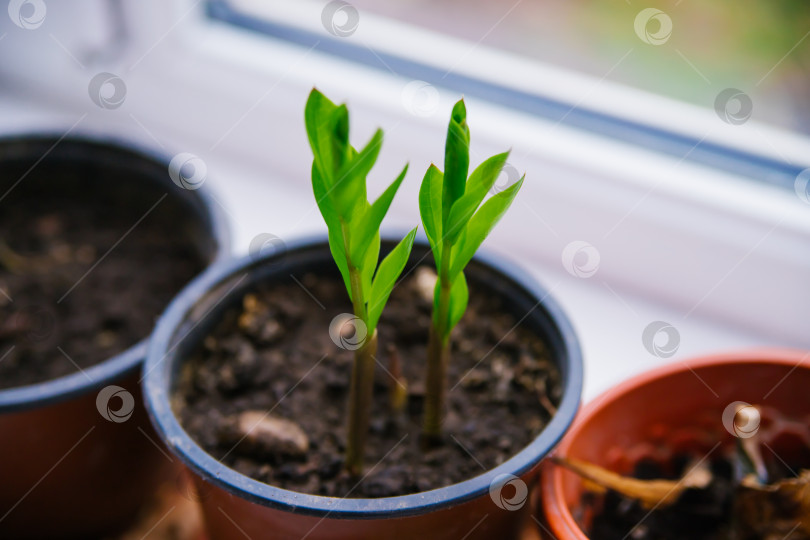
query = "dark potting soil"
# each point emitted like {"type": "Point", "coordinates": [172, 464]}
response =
{"type": "Point", "coordinates": [274, 355]}
{"type": "Point", "coordinates": [698, 514]}
{"type": "Point", "coordinates": [81, 278]}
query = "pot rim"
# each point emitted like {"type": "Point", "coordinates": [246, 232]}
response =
{"type": "Point", "coordinates": [551, 479]}
{"type": "Point", "coordinates": [129, 360]}
{"type": "Point", "coordinates": [157, 388]}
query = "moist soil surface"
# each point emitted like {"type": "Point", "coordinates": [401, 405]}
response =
{"type": "Point", "coordinates": [79, 280]}
{"type": "Point", "coordinates": [273, 354]}
{"type": "Point", "coordinates": [698, 514]}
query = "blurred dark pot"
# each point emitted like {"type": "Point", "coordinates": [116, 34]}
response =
{"type": "Point", "coordinates": [65, 470]}
{"type": "Point", "coordinates": [235, 505]}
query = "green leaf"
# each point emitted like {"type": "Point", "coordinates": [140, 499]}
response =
{"type": "Point", "coordinates": [456, 159]}
{"type": "Point", "coordinates": [481, 181]}
{"type": "Point", "coordinates": [349, 189]}
{"type": "Point", "coordinates": [339, 174]}
{"type": "Point", "coordinates": [323, 199]}
{"type": "Point", "coordinates": [485, 175]}
{"type": "Point", "coordinates": [430, 208]}
{"type": "Point", "coordinates": [437, 291]}
{"type": "Point", "coordinates": [369, 263]}
{"type": "Point", "coordinates": [317, 117]}
{"type": "Point", "coordinates": [459, 296]}
{"type": "Point", "coordinates": [369, 222]}
{"type": "Point", "coordinates": [390, 269]}
{"type": "Point", "coordinates": [352, 178]}
{"type": "Point", "coordinates": [338, 250]}
{"type": "Point", "coordinates": [480, 225]}
{"type": "Point", "coordinates": [367, 157]}
{"type": "Point", "coordinates": [349, 194]}
{"type": "Point", "coordinates": [341, 149]}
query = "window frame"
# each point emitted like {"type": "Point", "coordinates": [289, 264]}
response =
{"type": "Point", "coordinates": [722, 149]}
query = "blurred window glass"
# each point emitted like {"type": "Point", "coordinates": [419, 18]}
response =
{"type": "Point", "coordinates": [683, 49]}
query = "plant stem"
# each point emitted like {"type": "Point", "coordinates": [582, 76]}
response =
{"type": "Point", "coordinates": [360, 393]}
{"type": "Point", "coordinates": [355, 278]}
{"type": "Point", "coordinates": [362, 383]}
{"type": "Point", "coordinates": [358, 302]}
{"type": "Point", "coordinates": [438, 353]}
{"type": "Point", "coordinates": [398, 393]}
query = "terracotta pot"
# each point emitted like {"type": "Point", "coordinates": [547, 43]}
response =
{"type": "Point", "coordinates": [235, 505]}
{"type": "Point", "coordinates": [679, 408]}
{"type": "Point", "coordinates": [65, 470]}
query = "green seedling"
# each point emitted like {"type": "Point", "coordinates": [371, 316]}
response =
{"type": "Point", "coordinates": [339, 183]}
{"type": "Point", "coordinates": [456, 220]}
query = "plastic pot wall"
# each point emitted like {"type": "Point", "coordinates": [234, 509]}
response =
{"type": "Point", "coordinates": [66, 471]}
{"type": "Point", "coordinates": [232, 502]}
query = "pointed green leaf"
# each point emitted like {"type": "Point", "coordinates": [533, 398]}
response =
{"type": "Point", "coordinates": [459, 296]}
{"type": "Point", "coordinates": [460, 215]}
{"type": "Point", "coordinates": [323, 199]}
{"type": "Point", "coordinates": [437, 291]}
{"type": "Point", "coordinates": [359, 243]}
{"type": "Point", "coordinates": [390, 269]}
{"type": "Point", "coordinates": [480, 225]}
{"type": "Point", "coordinates": [430, 208]}
{"type": "Point", "coordinates": [369, 222]}
{"type": "Point", "coordinates": [367, 157]}
{"type": "Point", "coordinates": [339, 125]}
{"type": "Point", "coordinates": [456, 159]}
{"type": "Point", "coordinates": [349, 194]}
{"type": "Point", "coordinates": [485, 175]}
{"type": "Point", "coordinates": [369, 264]}
{"type": "Point", "coordinates": [352, 178]}
{"type": "Point", "coordinates": [317, 116]}
{"type": "Point", "coordinates": [481, 181]}
{"type": "Point", "coordinates": [349, 189]}
{"type": "Point", "coordinates": [339, 254]}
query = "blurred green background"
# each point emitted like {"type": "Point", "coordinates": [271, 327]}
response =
{"type": "Point", "coordinates": [761, 48]}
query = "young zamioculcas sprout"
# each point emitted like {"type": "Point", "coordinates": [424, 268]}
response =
{"type": "Point", "coordinates": [448, 204]}
{"type": "Point", "coordinates": [339, 182]}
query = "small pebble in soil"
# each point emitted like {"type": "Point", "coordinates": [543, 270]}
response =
{"type": "Point", "coordinates": [258, 433]}
{"type": "Point", "coordinates": [425, 282]}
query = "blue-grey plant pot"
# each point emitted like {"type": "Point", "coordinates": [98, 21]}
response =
{"type": "Point", "coordinates": [65, 470]}
{"type": "Point", "coordinates": [234, 505]}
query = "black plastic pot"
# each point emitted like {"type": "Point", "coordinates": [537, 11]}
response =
{"type": "Point", "coordinates": [233, 502]}
{"type": "Point", "coordinates": [78, 457]}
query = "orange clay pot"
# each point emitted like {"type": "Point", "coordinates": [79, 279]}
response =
{"type": "Point", "coordinates": [675, 409]}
